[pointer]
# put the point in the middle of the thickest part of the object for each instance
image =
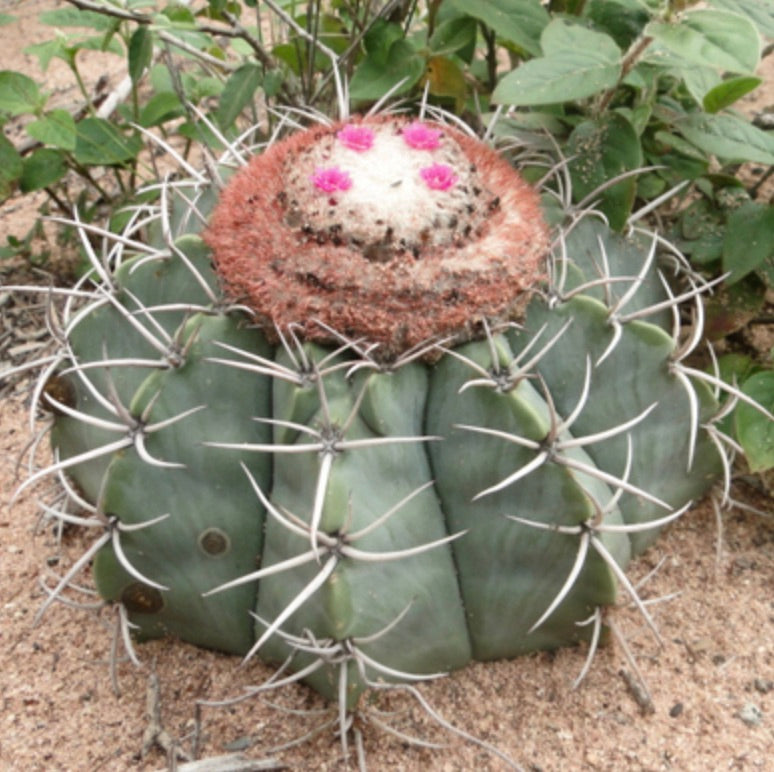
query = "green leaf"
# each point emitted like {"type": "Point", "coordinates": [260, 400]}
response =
{"type": "Point", "coordinates": [178, 14]}
{"type": "Point", "coordinates": [73, 17]}
{"type": "Point", "coordinates": [562, 34]}
{"type": "Point", "coordinates": [735, 367]}
{"type": "Point", "coordinates": [730, 138]}
{"type": "Point", "coordinates": [698, 80]}
{"type": "Point", "coordinates": [42, 168]}
{"type": "Point", "coordinates": [159, 108]}
{"type": "Point", "coordinates": [10, 167]}
{"type": "Point", "coordinates": [98, 142]}
{"type": "Point", "coordinates": [56, 128]}
{"type": "Point", "coordinates": [754, 430]}
{"type": "Point", "coordinates": [99, 43]}
{"type": "Point", "coordinates": [454, 36]}
{"type": "Point", "coordinates": [238, 92]}
{"type": "Point", "coordinates": [373, 79]}
{"type": "Point", "coordinates": [623, 20]}
{"type": "Point", "coordinates": [711, 38]}
{"type": "Point", "coordinates": [578, 63]}
{"type": "Point", "coordinates": [600, 150]}
{"type": "Point", "coordinates": [379, 40]}
{"type": "Point", "coordinates": [759, 12]}
{"type": "Point", "coordinates": [749, 239]}
{"type": "Point", "coordinates": [199, 89]}
{"type": "Point", "coordinates": [48, 50]}
{"type": "Point", "coordinates": [19, 94]}
{"type": "Point", "coordinates": [140, 52]}
{"type": "Point", "coordinates": [272, 82]}
{"type": "Point", "coordinates": [6, 18]}
{"type": "Point", "coordinates": [728, 92]}
{"type": "Point", "coordinates": [518, 21]}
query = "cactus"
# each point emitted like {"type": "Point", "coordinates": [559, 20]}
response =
{"type": "Point", "coordinates": [363, 413]}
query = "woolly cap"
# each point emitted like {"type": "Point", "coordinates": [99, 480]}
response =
{"type": "Point", "coordinates": [388, 229]}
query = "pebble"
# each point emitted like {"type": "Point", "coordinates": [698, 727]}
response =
{"type": "Point", "coordinates": [750, 714]}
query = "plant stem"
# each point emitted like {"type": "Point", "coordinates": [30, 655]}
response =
{"type": "Point", "coordinates": [628, 63]}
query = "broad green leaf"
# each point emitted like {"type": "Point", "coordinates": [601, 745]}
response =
{"type": "Point", "coordinates": [698, 80]}
{"type": "Point", "coordinates": [73, 17]}
{"type": "Point", "coordinates": [98, 43]}
{"type": "Point", "coordinates": [6, 18]}
{"type": "Point", "coordinates": [518, 21]}
{"type": "Point", "coordinates": [140, 52]}
{"type": "Point", "coordinates": [623, 20]}
{"type": "Point", "coordinates": [729, 91]}
{"type": "Point", "coordinates": [754, 430]}
{"type": "Point", "coordinates": [600, 150]}
{"type": "Point", "coordinates": [55, 128]}
{"type": "Point", "coordinates": [159, 108]}
{"type": "Point", "coordinates": [379, 40]}
{"type": "Point", "coordinates": [42, 168]}
{"type": "Point", "coordinates": [735, 367]}
{"type": "Point", "coordinates": [701, 232]}
{"type": "Point", "coordinates": [178, 14]}
{"type": "Point", "coordinates": [760, 12]}
{"type": "Point", "coordinates": [711, 38]}
{"type": "Point", "coordinates": [19, 94]}
{"type": "Point", "coordinates": [238, 92]}
{"type": "Point", "coordinates": [680, 145]}
{"type": "Point", "coordinates": [10, 167]}
{"type": "Point", "coordinates": [373, 80]}
{"type": "Point", "coordinates": [562, 34]}
{"type": "Point", "coordinates": [749, 239]}
{"type": "Point", "coordinates": [100, 143]}
{"type": "Point", "coordinates": [272, 82]}
{"type": "Point", "coordinates": [578, 64]}
{"type": "Point", "coordinates": [728, 137]}
{"type": "Point", "coordinates": [288, 54]}
{"type": "Point", "coordinates": [56, 48]}
{"type": "Point", "coordinates": [455, 36]}
{"type": "Point", "coordinates": [198, 89]}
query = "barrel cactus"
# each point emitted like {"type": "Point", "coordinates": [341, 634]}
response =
{"type": "Point", "coordinates": [364, 406]}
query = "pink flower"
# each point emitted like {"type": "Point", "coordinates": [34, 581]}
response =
{"type": "Point", "coordinates": [420, 136]}
{"type": "Point", "coordinates": [358, 138]}
{"type": "Point", "coordinates": [331, 180]}
{"type": "Point", "coordinates": [438, 176]}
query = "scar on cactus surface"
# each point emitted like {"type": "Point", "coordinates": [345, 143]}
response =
{"type": "Point", "coordinates": [354, 408]}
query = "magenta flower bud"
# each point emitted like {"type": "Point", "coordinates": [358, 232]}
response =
{"type": "Point", "coordinates": [421, 137]}
{"type": "Point", "coordinates": [331, 180]}
{"type": "Point", "coordinates": [438, 176]}
{"type": "Point", "coordinates": [359, 138]}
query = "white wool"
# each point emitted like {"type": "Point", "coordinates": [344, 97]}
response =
{"type": "Point", "coordinates": [388, 191]}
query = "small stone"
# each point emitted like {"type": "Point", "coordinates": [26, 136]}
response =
{"type": "Point", "coordinates": [763, 685]}
{"type": "Point", "coordinates": [676, 710]}
{"type": "Point", "coordinates": [750, 714]}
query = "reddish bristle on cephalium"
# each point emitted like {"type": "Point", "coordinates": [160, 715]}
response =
{"type": "Point", "coordinates": [390, 229]}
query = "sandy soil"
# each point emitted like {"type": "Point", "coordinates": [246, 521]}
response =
{"type": "Point", "coordinates": [711, 683]}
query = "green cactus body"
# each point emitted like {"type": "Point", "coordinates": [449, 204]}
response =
{"type": "Point", "coordinates": [378, 443]}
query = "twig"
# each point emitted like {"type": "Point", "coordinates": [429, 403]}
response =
{"type": "Point", "coordinates": [155, 734]}
{"type": "Point", "coordinates": [230, 762]}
